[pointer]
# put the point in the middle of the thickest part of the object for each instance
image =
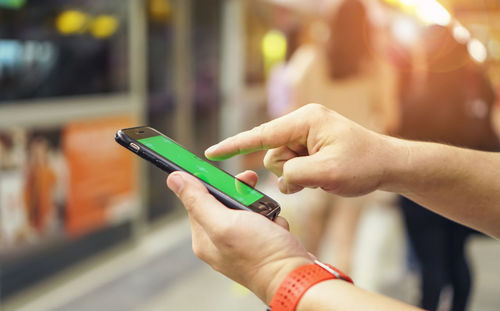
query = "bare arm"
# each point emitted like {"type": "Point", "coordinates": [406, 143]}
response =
{"type": "Point", "coordinates": [338, 295]}
{"type": "Point", "coordinates": [460, 184]}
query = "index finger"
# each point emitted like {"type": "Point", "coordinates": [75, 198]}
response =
{"type": "Point", "coordinates": [273, 134]}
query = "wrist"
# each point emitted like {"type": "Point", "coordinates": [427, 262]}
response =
{"type": "Point", "coordinates": [396, 161]}
{"type": "Point", "coordinates": [281, 274]}
{"type": "Point", "coordinates": [298, 282]}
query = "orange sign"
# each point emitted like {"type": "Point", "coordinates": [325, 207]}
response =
{"type": "Point", "coordinates": [102, 173]}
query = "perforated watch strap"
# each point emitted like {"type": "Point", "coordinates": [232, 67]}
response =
{"type": "Point", "coordinates": [296, 283]}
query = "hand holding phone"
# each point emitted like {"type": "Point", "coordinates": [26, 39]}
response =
{"type": "Point", "coordinates": [170, 156]}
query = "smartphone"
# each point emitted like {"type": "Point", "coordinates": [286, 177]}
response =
{"type": "Point", "coordinates": [170, 156]}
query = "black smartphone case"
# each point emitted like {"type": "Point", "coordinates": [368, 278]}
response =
{"type": "Point", "coordinates": [263, 207]}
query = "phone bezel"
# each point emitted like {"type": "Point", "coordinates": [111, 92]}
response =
{"type": "Point", "coordinates": [265, 206]}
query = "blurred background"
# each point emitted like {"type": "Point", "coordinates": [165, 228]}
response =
{"type": "Point", "coordinates": [86, 226]}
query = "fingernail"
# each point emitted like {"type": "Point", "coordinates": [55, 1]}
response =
{"type": "Point", "coordinates": [176, 183]}
{"type": "Point", "coordinates": [211, 149]}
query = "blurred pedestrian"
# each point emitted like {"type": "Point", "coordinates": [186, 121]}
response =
{"type": "Point", "coordinates": [452, 106]}
{"type": "Point", "coordinates": [347, 74]}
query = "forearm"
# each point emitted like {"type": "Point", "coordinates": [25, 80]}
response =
{"type": "Point", "coordinates": [337, 295]}
{"type": "Point", "coordinates": [457, 183]}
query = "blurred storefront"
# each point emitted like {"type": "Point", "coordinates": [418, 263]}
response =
{"type": "Point", "coordinates": [71, 74]}
{"type": "Point", "coordinates": [64, 89]}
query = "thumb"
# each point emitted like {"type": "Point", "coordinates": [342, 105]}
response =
{"type": "Point", "coordinates": [194, 196]}
{"type": "Point", "coordinates": [306, 171]}
{"type": "Point", "coordinates": [176, 181]}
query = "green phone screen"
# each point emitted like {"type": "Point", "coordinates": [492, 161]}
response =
{"type": "Point", "coordinates": [202, 169]}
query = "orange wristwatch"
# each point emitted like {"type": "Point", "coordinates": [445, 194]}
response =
{"type": "Point", "coordinates": [298, 281]}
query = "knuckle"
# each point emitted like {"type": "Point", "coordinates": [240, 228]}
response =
{"type": "Point", "coordinates": [336, 181]}
{"type": "Point", "coordinates": [269, 161]}
{"type": "Point", "coordinates": [199, 250]}
{"type": "Point", "coordinates": [317, 113]}
{"type": "Point", "coordinates": [316, 108]}
{"type": "Point", "coordinates": [261, 128]}
{"type": "Point", "coordinates": [218, 268]}
{"type": "Point", "coordinates": [261, 132]}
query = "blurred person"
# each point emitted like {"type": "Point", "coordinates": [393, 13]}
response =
{"type": "Point", "coordinates": [40, 186]}
{"type": "Point", "coordinates": [279, 84]}
{"type": "Point", "coordinates": [453, 105]}
{"type": "Point", "coordinates": [14, 226]}
{"type": "Point", "coordinates": [316, 147]}
{"type": "Point", "coordinates": [346, 74]}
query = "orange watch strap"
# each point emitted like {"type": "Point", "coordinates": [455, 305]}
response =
{"type": "Point", "coordinates": [297, 282]}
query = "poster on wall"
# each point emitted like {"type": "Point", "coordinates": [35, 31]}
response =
{"type": "Point", "coordinates": [102, 179]}
{"type": "Point", "coordinates": [63, 182]}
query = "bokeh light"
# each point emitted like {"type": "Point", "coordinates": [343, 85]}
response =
{"type": "Point", "coordinates": [405, 29]}
{"type": "Point", "coordinates": [428, 11]}
{"type": "Point", "coordinates": [431, 12]}
{"type": "Point", "coordinates": [160, 10]}
{"type": "Point", "coordinates": [477, 50]}
{"type": "Point", "coordinates": [460, 33]}
{"type": "Point", "coordinates": [104, 26]}
{"type": "Point", "coordinates": [71, 22]}
{"type": "Point", "coordinates": [274, 46]}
